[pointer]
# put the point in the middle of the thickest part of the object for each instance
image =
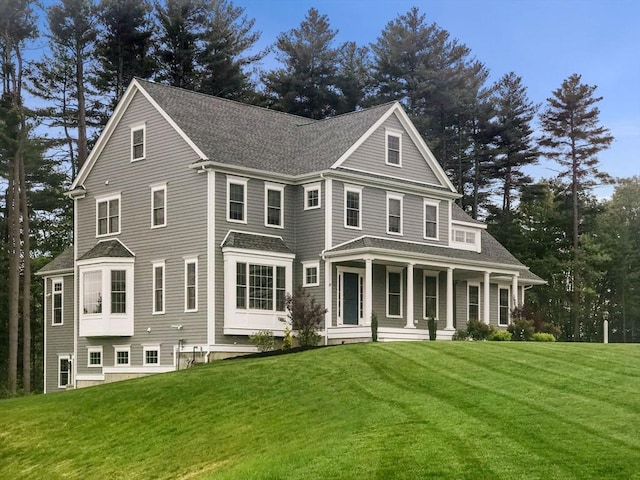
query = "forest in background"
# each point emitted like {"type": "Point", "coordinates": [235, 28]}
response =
{"type": "Point", "coordinates": [54, 104]}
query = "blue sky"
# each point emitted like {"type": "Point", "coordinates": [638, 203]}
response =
{"type": "Point", "coordinates": [543, 41]}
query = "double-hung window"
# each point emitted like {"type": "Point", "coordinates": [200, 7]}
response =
{"type": "Point", "coordinates": [138, 142]}
{"type": "Point", "coordinates": [430, 296]}
{"type": "Point", "coordinates": [190, 284]}
{"type": "Point", "coordinates": [430, 220]}
{"type": "Point", "coordinates": [237, 199]}
{"type": "Point", "coordinates": [64, 371]}
{"type": "Point", "coordinates": [108, 215]}
{"type": "Point", "coordinates": [394, 292]}
{"type": "Point", "coordinates": [353, 207]}
{"type": "Point", "coordinates": [503, 306]}
{"type": "Point", "coordinates": [274, 205]}
{"type": "Point", "coordinates": [394, 213]}
{"type": "Point", "coordinates": [158, 287]}
{"type": "Point", "coordinates": [312, 196]}
{"type": "Point", "coordinates": [118, 291]}
{"type": "Point", "coordinates": [394, 148]}
{"type": "Point", "coordinates": [158, 205]}
{"type": "Point", "coordinates": [57, 302]}
{"type": "Point", "coordinates": [310, 274]}
{"type": "Point", "coordinates": [473, 294]}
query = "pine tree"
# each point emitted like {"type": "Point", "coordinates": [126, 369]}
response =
{"type": "Point", "coordinates": [353, 76]}
{"type": "Point", "coordinates": [573, 137]}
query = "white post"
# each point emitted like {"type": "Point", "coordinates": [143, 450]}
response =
{"type": "Point", "coordinates": [410, 296]}
{"type": "Point", "coordinates": [606, 330]}
{"type": "Point", "coordinates": [514, 291]}
{"type": "Point", "coordinates": [449, 325]}
{"type": "Point", "coordinates": [368, 291]}
{"type": "Point", "coordinates": [487, 298]}
{"type": "Point", "coordinates": [328, 269]}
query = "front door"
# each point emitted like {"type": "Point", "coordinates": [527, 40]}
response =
{"type": "Point", "coordinates": [350, 298]}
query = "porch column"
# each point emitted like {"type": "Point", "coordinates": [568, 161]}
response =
{"type": "Point", "coordinates": [449, 325]}
{"type": "Point", "coordinates": [410, 323]}
{"type": "Point", "coordinates": [514, 291]}
{"type": "Point", "coordinates": [487, 298]}
{"type": "Point", "coordinates": [368, 291]}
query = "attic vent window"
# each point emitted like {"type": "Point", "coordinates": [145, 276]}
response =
{"type": "Point", "coordinates": [394, 142]}
{"type": "Point", "coordinates": [138, 147]}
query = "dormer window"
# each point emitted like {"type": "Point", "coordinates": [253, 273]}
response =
{"type": "Point", "coordinates": [138, 142]}
{"type": "Point", "coordinates": [394, 149]}
{"type": "Point", "coordinates": [465, 239]}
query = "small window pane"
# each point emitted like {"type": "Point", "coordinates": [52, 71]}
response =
{"type": "Point", "coordinates": [151, 357]}
{"type": "Point", "coordinates": [241, 285]}
{"type": "Point", "coordinates": [313, 198]}
{"type": "Point", "coordinates": [118, 291]}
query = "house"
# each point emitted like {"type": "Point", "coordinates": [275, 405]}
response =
{"type": "Point", "coordinates": [195, 215]}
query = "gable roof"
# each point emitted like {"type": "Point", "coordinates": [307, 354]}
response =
{"type": "Point", "coordinates": [61, 263]}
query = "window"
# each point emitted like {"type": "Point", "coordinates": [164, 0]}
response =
{"type": "Point", "coordinates": [56, 302]}
{"type": "Point", "coordinates": [190, 285]}
{"type": "Point", "coordinates": [108, 215]}
{"type": "Point", "coordinates": [473, 312]}
{"type": "Point", "coordinates": [94, 356]}
{"type": "Point", "coordinates": [310, 274]}
{"type": "Point", "coordinates": [503, 307]}
{"type": "Point", "coordinates": [138, 143]}
{"type": "Point", "coordinates": [92, 292]}
{"type": "Point", "coordinates": [394, 142]}
{"type": "Point", "coordinates": [158, 206]}
{"type": "Point", "coordinates": [118, 291]}
{"type": "Point", "coordinates": [430, 220]}
{"type": "Point", "coordinates": [273, 206]}
{"type": "Point", "coordinates": [266, 283]}
{"type": "Point", "coordinates": [64, 371]}
{"type": "Point", "coordinates": [312, 196]}
{"type": "Point", "coordinates": [430, 296]}
{"type": "Point", "coordinates": [158, 287]}
{"type": "Point", "coordinates": [394, 292]}
{"type": "Point", "coordinates": [151, 355]}
{"type": "Point", "coordinates": [122, 356]}
{"type": "Point", "coordinates": [236, 199]}
{"type": "Point", "coordinates": [352, 200]}
{"type": "Point", "coordinates": [394, 213]}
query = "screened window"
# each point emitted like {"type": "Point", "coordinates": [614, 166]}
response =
{"type": "Point", "coordinates": [137, 143]}
{"type": "Point", "coordinates": [118, 291]}
{"type": "Point", "coordinates": [430, 221]}
{"type": "Point", "coordinates": [394, 293]}
{"type": "Point", "coordinates": [92, 298]}
{"type": "Point", "coordinates": [274, 207]}
{"type": "Point", "coordinates": [158, 288]}
{"type": "Point", "coordinates": [504, 306]}
{"type": "Point", "coordinates": [190, 285]}
{"type": "Point", "coordinates": [393, 149]}
{"type": "Point", "coordinates": [430, 296]}
{"type": "Point", "coordinates": [352, 208]}
{"type": "Point", "coordinates": [108, 213]}
{"type": "Point", "coordinates": [56, 314]}
{"type": "Point", "coordinates": [394, 215]}
{"type": "Point", "coordinates": [474, 302]}
{"type": "Point", "coordinates": [159, 206]}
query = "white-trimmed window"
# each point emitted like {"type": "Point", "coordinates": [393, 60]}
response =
{"type": "Point", "coordinates": [312, 194]}
{"type": "Point", "coordinates": [430, 295]}
{"type": "Point", "coordinates": [108, 215]}
{"type": "Point", "coordinates": [158, 287]}
{"type": "Point", "coordinates": [260, 287]}
{"type": "Point", "coordinates": [236, 199]}
{"type": "Point", "coordinates": [158, 205]}
{"type": "Point", "coordinates": [473, 302]}
{"type": "Point", "coordinates": [94, 356]}
{"type": "Point", "coordinates": [190, 284]}
{"type": "Point", "coordinates": [151, 354]}
{"type": "Point", "coordinates": [122, 355]}
{"type": "Point", "coordinates": [503, 307]}
{"type": "Point", "coordinates": [393, 148]}
{"type": "Point", "coordinates": [430, 220]}
{"type": "Point", "coordinates": [394, 292]}
{"type": "Point", "coordinates": [138, 142]}
{"type": "Point", "coordinates": [310, 274]}
{"type": "Point", "coordinates": [466, 238]}
{"type": "Point", "coordinates": [57, 302]}
{"type": "Point", "coordinates": [353, 207]}
{"type": "Point", "coordinates": [64, 371]}
{"type": "Point", "coordinates": [394, 213]}
{"type": "Point", "coordinates": [274, 205]}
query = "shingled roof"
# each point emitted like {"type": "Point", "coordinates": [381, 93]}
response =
{"type": "Point", "coordinates": [260, 138]}
{"type": "Point", "coordinates": [250, 241]}
{"type": "Point", "coordinates": [61, 263]}
{"type": "Point", "coordinates": [108, 249]}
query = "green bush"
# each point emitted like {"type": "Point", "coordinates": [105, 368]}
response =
{"type": "Point", "coordinates": [374, 327]}
{"type": "Point", "coordinates": [478, 330]}
{"type": "Point", "coordinates": [460, 335]}
{"type": "Point", "coordinates": [521, 330]}
{"type": "Point", "coordinates": [287, 340]}
{"type": "Point", "coordinates": [263, 340]}
{"type": "Point", "coordinates": [306, 317]}
{"type": "Point", "coordinates": [499, 336]}
{"type": "Point", "coordinates": [543, 337]}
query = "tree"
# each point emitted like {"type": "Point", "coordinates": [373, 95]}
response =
{"type": "Point", "coordinates": [306, 317]}
{"type": "Point", "coordinates": [573, 137]}
{"type": "Point", "coordinates": [353, 76]}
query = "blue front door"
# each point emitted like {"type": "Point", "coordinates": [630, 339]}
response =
{"type": "Point", "coordinates": [350, 298]}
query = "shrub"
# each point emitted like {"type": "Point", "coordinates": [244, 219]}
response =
{"type": "Point", "coordinates": [374, 327]}
{"type": "Point", "coordinates": [460, 335]}
{"type": "Point", "coordinates": [432, 323]}
{"type": "Point", "coordinates": [263, 340]}
{"type": "Point", "coordinates": [287, 340]}
{"type": "Point", "coordinates": [543, 337]}
{"type": "Point", "coordinates": [499, 336]}
{"type": "Point", "coordinates": [478, 330]}
{"type": "Point", "coordinates": [521, 329]}
{"type": "Point", "coordinates": [306, 317]}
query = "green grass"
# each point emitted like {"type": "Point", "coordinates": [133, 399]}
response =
{"type": "Point", "coordinates": [444, 410]}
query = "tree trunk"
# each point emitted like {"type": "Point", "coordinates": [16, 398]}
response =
{"type": "Point", "coordinates": [14, 275]}
{"type": "Point", "coordinates": [82, 116]}
{"type": "Point", "coordinates": [26, 282]}
{"type": "Point", "coordinates": [575, 301]}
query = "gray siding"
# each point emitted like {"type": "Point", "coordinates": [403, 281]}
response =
{"type": "Point", "coordinates": [59, 337]}
{"type": "Point", "coordinates": [168, 158]}
{"type": "Point", "coordinates": [370, 156]}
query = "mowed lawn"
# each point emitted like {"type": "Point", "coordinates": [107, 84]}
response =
{"type": "Point", "coordinates": [445, 410]}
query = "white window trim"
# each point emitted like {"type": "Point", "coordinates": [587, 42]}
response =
{"type": "Point", "coordinates": [55, 281]}
{"type": "Point", "coordinates": [157, 264]}
{"type": "Point", "coordinates": [358, 190]}
{"type": "Point", "coordinates": [188, 261]}
{"type": "Point", "coordinates": [400, 271]}
{"type": "Point", "coordinates": [145, 349]}
{"type": "Point", "coordinates": [476, 285]}
{"type": "Point", "coordinates": [431, 203]}
{"type": "Point", "coordinates": [474, 247]}
{"type": "Point", "coordinates": [157, 188]}
{"type": "Point", "coordinates": [400, 197]}
{"type": "Point", "coordinates": [508, 289]}
{"type": "Point", "coordinates": [310, 188]}
{"type": "Point", "coordinates": [121, 348]}
{"type": "Point", "coordinates": [70, 371]}
{"type": "Point", "coordinates": [135, 128]}
{"type": "Point", "coordinates": [91, 350]}
{"type": "Point", "coordinates": [340, 271]}
{"type": "Point", "coordinates": [394, 133]}
{"type": "Point", "coordinates": [277, 188]}
{"type": "Point", "coordinates": [306, 266]}
{"type": "Point", "coordinates": [428, 274]}
{"type": "Point", "coordinates": [108, 198]}
{"type": "Point", "coordinates": [237, 181]}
